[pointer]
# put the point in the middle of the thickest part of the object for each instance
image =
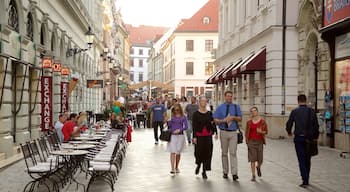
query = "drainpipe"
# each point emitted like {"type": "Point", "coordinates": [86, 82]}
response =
{"type": "Point", "coordinates": [316, 76]}
{"type": "Point", "coordinates": [284, 27]}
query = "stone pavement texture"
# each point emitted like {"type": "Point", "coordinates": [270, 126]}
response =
{"type": "Point", "coordinates": [146, 168]}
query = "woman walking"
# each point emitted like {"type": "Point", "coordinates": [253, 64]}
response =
{"type": "Point", "coordinates": [177, 125]}
{"type": "Point", "coordinates": [255, 132]}
{"type": "Point", "coordinates": [203, 130]}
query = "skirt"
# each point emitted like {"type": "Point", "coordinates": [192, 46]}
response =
{"type": "Point", "coordinates": [255, 150]}
{"type": "Point", "coordinates": [203, 152]}
{"type": "Point", "coordinates": [176, 144]}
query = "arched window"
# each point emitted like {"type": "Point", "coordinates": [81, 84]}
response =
{"type": "Point", "coordinates": [13, 16]}
{"type": "Point", "coordinates": [206, 20]}
{"type": "Point", "coordinates": [53, 42]}
{"type": "Point", "coordinates": [30, 32]}
{"type": "Point", "coordinates": [42, 35]}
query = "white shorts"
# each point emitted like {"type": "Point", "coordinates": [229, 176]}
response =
{"type": "Point", "coordinates": [176, 144]}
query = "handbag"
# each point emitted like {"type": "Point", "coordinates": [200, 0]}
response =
{"type": "Point", "coordinates": [239, 134]}
{"type": "Point", "coordinates": [311, 147]}
{"type": "Point", "coordinates": [165, 135]}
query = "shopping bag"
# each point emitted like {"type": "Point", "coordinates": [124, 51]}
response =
{"type": "Point", "coordinates": [311, 147]}
{"type": "Point", "coordinates": [165, 135]}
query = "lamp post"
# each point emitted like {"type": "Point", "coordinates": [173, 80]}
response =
{"type": "Point", "coordinates": [89, 35]}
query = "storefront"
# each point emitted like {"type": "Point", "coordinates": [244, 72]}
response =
{"type": "Point", "coordinates": [336, 31]}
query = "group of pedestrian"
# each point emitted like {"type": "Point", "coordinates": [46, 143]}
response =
{"type": "Point", "coordinates": [200, 125]}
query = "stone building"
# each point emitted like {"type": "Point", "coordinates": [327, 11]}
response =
{"type": "Point", "coordinates": [31, 30]}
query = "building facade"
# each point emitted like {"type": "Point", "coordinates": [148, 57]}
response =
{"type": "Point", "coordinates": [187, 53]}
{"type": "Point", "coordinates": [335, 30]}
{"type": "Point", "coordinates": [141, 38]}
{"type": "Point", "coordinates": [257, 58]}
{"type": "Point", "coordinates": [52, 34]}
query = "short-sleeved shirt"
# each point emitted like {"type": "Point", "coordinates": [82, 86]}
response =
{"type": "Point", "coordinates": [68, 129]}
{"type": "Point", "coordinates": [158, 112]}
{"type": "Point", "coordinates": [58, 127]}
{"type": "Point", "coordinates": [220, 113]}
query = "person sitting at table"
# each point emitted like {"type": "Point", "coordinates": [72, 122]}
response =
{"type": "Point", "coordinates": [82, 121]}
{"type": "Point", "coordinates": [70, 128]}
{"type": "Point", "coordinates": [59, 125]}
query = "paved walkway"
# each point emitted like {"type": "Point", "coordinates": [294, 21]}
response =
{"type": "Point", "coordinates": [146, 168]}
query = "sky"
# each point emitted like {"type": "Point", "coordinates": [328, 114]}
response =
{"type": "Point", "coordinates": [167, 13]}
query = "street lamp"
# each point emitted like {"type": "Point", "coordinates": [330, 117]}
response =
{"type": "Point", "coordinates": [89, 40]}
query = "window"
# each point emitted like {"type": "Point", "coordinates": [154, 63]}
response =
{"type": "Point", "coordinates": [206, 20]}
{"type": "Point", "coordinates": [149, 52]}
{"type": "Point", "coordinates": [13, 16]}
{"type": "Point", "coordinates": [131, 76]}
{"type": "Point", "coordinates": [189, 45]}
{"type": "Point", "coordinates": [209, 68]}
{"type": "Point", "coordinates": [189, 94]}
{"type": "Point", "coordinates": [132, 51]}
{"type": "Point", "coordinates": [131, 62]}
{"type": "Point", "coordinates": [140, 62]}
{"type": "Point", "coordinates": [209, 45]}
{"type": "Point", "coordinates": [30, 32]}
{"type": "Point", "coordinates": [208, 94]}
{"type": "Point", "coordinates": [140, 77]}
{"type": "Point", "coordinates": [42, 34]}
{"type": "Point", "coordinates": [189, 68]}
{"type": "Point", "coordinates": [140, 51]}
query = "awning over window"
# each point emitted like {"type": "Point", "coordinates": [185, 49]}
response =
{"type": "Point", "coordinates": [255, 63]}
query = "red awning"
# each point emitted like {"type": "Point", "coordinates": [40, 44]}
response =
{"type": "Point", "coordinates": [227, 74]}
{"type": "Point", "coordinates": [218, 77]}
{"type": "Point", "coordinates": [236, 70]}
{"type": "Point", "coordinates": [255, 63]}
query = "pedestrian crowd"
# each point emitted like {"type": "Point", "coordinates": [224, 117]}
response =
{"type": "Point", "coordinates": [197, 123]}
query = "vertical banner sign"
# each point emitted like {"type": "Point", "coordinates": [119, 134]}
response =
{"type": "Point", "coordinates": [46, 103]}
{"type": "Point", "coordinates": [64, 96]}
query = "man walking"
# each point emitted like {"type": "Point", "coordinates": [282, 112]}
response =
{"type": "Point", "coordinates": [190, 109]}
{"type": "Point", "coordinates": [158, 116]}
{"type": "Point", "coordinates": [306, 128]}
{"type": "Point", "coordinates": [227, 116]}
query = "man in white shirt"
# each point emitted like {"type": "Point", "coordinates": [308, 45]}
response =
{"type": "Point", "coordinates": [59, 125]}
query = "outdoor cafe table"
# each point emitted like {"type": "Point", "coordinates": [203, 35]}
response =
{"type": "Point", "coordinates": [88, 138]}
{"type": "Point", "coordinates": [77, 146]}
{"type": "Point", "coordinates": [72, 161]}
{"type": "Point", "coordinates": [84, 142]}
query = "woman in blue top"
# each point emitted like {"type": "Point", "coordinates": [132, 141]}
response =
{"type": "Point", "coordinates": [177, 125]}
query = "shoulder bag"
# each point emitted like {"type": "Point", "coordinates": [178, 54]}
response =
{"type": "Point", "coordinates": [239, 134]}
{"type": "Point", "coordinates": [311, 144]}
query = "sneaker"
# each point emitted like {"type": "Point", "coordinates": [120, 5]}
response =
{"type": "Point", "coordinates": [234, 177]}
{"type": "Point", "coordinates": [225, 176]}
{"type": "Point", "coordinates": [172, 172]}
{"type": "Point", "coordinates": [258, 170]}
{"type": "Point", "coordinates": [156, 142]}
{"type": "Point", "coordinates": [204, 175]}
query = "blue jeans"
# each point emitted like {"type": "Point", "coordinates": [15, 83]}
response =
{"type": "Point", "coordinates": [303, 159]}
{"type": "Point", "coordinates": [189, 131]}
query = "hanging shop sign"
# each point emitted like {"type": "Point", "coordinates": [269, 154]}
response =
{"type": "Point", "coordinates": [64, 71]}
{"type": "Point", "coordinates": [46, 103]}
{"type": "Point", "coordinates": [342, 46]}
{"type": "Point", "coordinates": [334, 11]}
{"type": "Point", "coordinates": [96, 83]}
{"type": "Point", "coordinates": [56, 67]}
{"type": "Point", "coordinates": [64, 96]}
{"type": "Point", "coordinates": [47, 62]}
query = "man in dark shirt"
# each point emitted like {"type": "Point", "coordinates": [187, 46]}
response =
{"type": "Point", "coordinates": [306, 128]}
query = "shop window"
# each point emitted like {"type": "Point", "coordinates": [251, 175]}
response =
{"type": "Point", "coordinates": [13, 16]}
{"type": "Point", "coordinates": [140, 63]}
{"type": "Point", "coordinates": [209, 68]}
{"type": "Point", "coordinates": [189, 94]}
{"type": "Point", "coordinates": [140, 77]}
{"type": "Point", "coordinates": [342, 95]}
{"type": "Point", "coordinates": [30, 32]}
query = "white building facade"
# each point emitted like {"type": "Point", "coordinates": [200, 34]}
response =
{"type": "Point", "coordinates": [257, 58]}
{"type": "Point", "coordinates": [139, 55]}
{"type": "Point", "coordinates": [31, 31]}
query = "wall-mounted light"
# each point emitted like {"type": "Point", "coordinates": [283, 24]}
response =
{"type": "Point", "coordinates": [89, 40]}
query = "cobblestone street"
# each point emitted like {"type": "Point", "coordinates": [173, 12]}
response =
{"type": "Point", "coordinates": [146, 168]}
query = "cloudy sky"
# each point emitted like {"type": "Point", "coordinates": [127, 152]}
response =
{"type": "Point", "coordinates": [158, 12]}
